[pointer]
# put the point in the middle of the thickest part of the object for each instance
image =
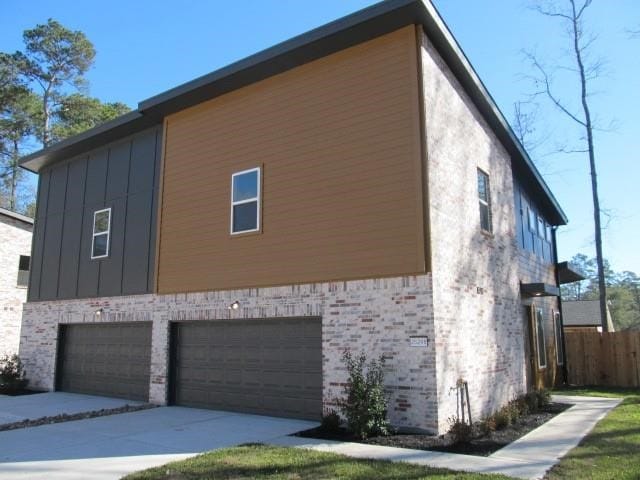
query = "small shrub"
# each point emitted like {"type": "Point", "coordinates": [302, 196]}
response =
{"type": "Point", "coordinates": [331, 422]}
{"type": "Point", "coordinates": [365, 407]}
{"type": "Point", "coordinates": [488, 425]}
{"type": "Point", "coordinates": [522, 405]}
{"type": "Point", "coordinates": [544, 397]}
{"type": "Point", "coordinates": [502, 418]}
{"type": "Point", "coordinates": [12, 374]}
{"type": "Point", "coordinates": [531, 399]}
{"type": "Point", "coordinates": [460, 431]}
{"type": "Point", "coordinates": [513, 410]}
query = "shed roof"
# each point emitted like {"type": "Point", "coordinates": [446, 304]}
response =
{"type": "Point", "coordinates": [371, 22]}
{"type": "Point", "coordinates": [583, 313]}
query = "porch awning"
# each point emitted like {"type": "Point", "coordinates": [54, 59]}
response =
{"type": "Point", "coordinates": [568, 273]}
{"type": "Point", "coordinates": [539, 290]}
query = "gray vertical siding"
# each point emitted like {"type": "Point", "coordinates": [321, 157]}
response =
{"type": "Point", "coordinates": [122, 176]}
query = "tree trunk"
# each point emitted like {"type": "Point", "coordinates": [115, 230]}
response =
{"type": "Point", "coordinates": [15, 155]}
{"type": "Point", "coordinates": [602, 287]}
{"type": "Point", "coordinates": [46, 120]}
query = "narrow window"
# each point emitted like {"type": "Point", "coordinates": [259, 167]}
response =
{"type": "Point", "coordinates": [542, 352]}
{"type": "Point", "coordinates": [559, 345]}
{"type": "Point", "coordinates": [245, 201]}
{"type": "Point", "coordinates": [101, 233]}
{"type": "Point", "coordinates": [484, 196]}
{"type": "Point", "coordinates": [532, 220]}
{"type": "Point", "coordinates": [541, 231]}
{"type": "Point", "coordinates": [23, 270]}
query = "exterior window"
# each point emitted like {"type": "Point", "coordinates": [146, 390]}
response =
{"type": "Point", "coordinates": [484, 197]}
{"type": "Point", "coordinates": [245, 201]}
{"type": "Point", "coordinates": [542, 351]}
{"type": "Point", "coordinates": [541, 231]}
{"type": "Point", "coordinates": [101, 233]}
{"type": "Point", "coordinates": [559, 345]}
{"type": "Point", "coordinates": [532, 220]}
{"type": "Point", "coordinates": [23, 270]}
{"type": "Point", "coordinates": [547, 236]}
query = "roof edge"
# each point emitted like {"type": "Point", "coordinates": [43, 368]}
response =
{"type": "Point", "coordinates": [16, 216]}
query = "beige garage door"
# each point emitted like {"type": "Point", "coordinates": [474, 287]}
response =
{"type": "Point", "coordinates": [110, 359]}
{"type": "Point", "coordinates": [262, 366]}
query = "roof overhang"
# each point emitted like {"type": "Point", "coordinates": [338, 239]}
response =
{"type": "Point", "coordinates": [366, 24]}
{"type": "Point", "coordinates": [568, 273]}
{"type": "Point", "coordinates": [16, 216]}
{"type": "Point", "coordinates": [539, 290]}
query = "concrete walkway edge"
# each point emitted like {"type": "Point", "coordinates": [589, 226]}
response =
{"type": "Point", "coordinates": [529, 457]}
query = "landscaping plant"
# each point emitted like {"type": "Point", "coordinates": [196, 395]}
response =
{"type": "Point", "coordinates": [12, 375]}
{"type": "Point", "coordinates": [365, 406]}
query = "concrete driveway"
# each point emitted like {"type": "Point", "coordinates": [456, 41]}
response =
{"type": "Point", "coordinates": [113, 446]}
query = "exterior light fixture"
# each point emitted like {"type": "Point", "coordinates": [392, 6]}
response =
{"type": "Point", "coordinates": [99, 312]}
{"type": "Point", "coordinates": [234, 306]}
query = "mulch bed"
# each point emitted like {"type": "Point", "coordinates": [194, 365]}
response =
{"type": "Point", "coordinates": [482, 445]}
{"type": "Point", "coordinates": [17, 393]}
{"type": "Point", "coordinates": [64, 417]}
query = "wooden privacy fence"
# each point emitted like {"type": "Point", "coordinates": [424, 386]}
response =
{"type": "Point", "coordinates": [604, 359]}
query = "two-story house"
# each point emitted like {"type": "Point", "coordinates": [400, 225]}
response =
{"type": "Point", "coordinates": [355, 188]}
{"type": "Point", "coordinates": [15, 255]}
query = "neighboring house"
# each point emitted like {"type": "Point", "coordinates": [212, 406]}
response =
{"type": "Point", "coordinates": [15, 253]}
{"type": "Point", "coordinates": [584, 316]}
{"type": "Point", "coordinates": [352, 188]}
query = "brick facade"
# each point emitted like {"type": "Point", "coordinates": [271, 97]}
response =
{"type": "Point", "coordinates": [480, 329]}
{"type": "Point", "coordinates": [375, 316]}
{"type": "Point", "coordinates": [15, 240]}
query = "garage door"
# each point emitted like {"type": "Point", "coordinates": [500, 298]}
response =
{"type": "Point", "coordinates": [262, 366]}
{"type": "Point", "coordinates": [110, 359]}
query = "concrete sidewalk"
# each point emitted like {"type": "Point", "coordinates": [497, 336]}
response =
{"type": "Point", "coordinates": [528, 457]}
{"type": "Point", "coordinates": [38, 405]}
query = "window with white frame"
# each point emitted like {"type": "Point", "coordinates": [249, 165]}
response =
{"type": "Point", "coordinates": [484, 197]}
{"type": "Point", "coordinates": [559, 344]}
{"type": "Point", "coordinates": [245, 201]}
{"type": "Point", "coordinates": [101, 233]}
{"type": "Point", "coordinates": [541, 345]}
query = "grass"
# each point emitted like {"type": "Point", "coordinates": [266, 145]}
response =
{"type": "Point", "coordinates": [612, 449]}
{"type": "Point", "coordinates": [269, 462]}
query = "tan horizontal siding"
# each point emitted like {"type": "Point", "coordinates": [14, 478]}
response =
{"type": "Point", "coordinates": [338, 143]}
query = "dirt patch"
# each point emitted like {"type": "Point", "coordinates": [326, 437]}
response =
{"type": "Point", "coordinates": [64, 417]}
{"type": "Point", "coordinates": [482, 444]}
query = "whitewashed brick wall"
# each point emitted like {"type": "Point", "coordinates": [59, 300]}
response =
{"type": "Point", "coordinates": [479, 323]}
{"type": "Point", "coordinates": [375, 316]}
{"type": "Point", "coordinates": [15, 240]}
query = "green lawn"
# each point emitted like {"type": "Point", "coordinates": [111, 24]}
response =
{"type": "Point", "coordinates": [268, 462]}
{"type": "Point", "coordinates": [612, 449]}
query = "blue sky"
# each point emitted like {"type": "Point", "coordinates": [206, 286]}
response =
{"type": "Point", "coordinates": [145, 47]}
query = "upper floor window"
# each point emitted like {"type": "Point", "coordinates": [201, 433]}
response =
{"type": "Point", "coordinates": [23, 270]}
{"type": "Point", "coordinates": [245, 201]}
{"type": "Point", "coordinates": [484, 197]}
{"type": "Point", "coordinates": [101, 233]}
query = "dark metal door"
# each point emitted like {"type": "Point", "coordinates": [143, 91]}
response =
{"type": "Point", "coordinates": [263, 366]}
{"type": "Point", "coordinates": [110, 359]}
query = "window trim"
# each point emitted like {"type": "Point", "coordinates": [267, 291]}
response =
{"type": "Point", "coordinates": [485, 203]}
{"type": "Point", "coordinates": [256, 199]}
{"type": "Point", "coordinates": [94, 234]}
{"type": "Point", "coordinates": [557, 327]}
{"type": "Point", "coordinates": [539, 318]}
